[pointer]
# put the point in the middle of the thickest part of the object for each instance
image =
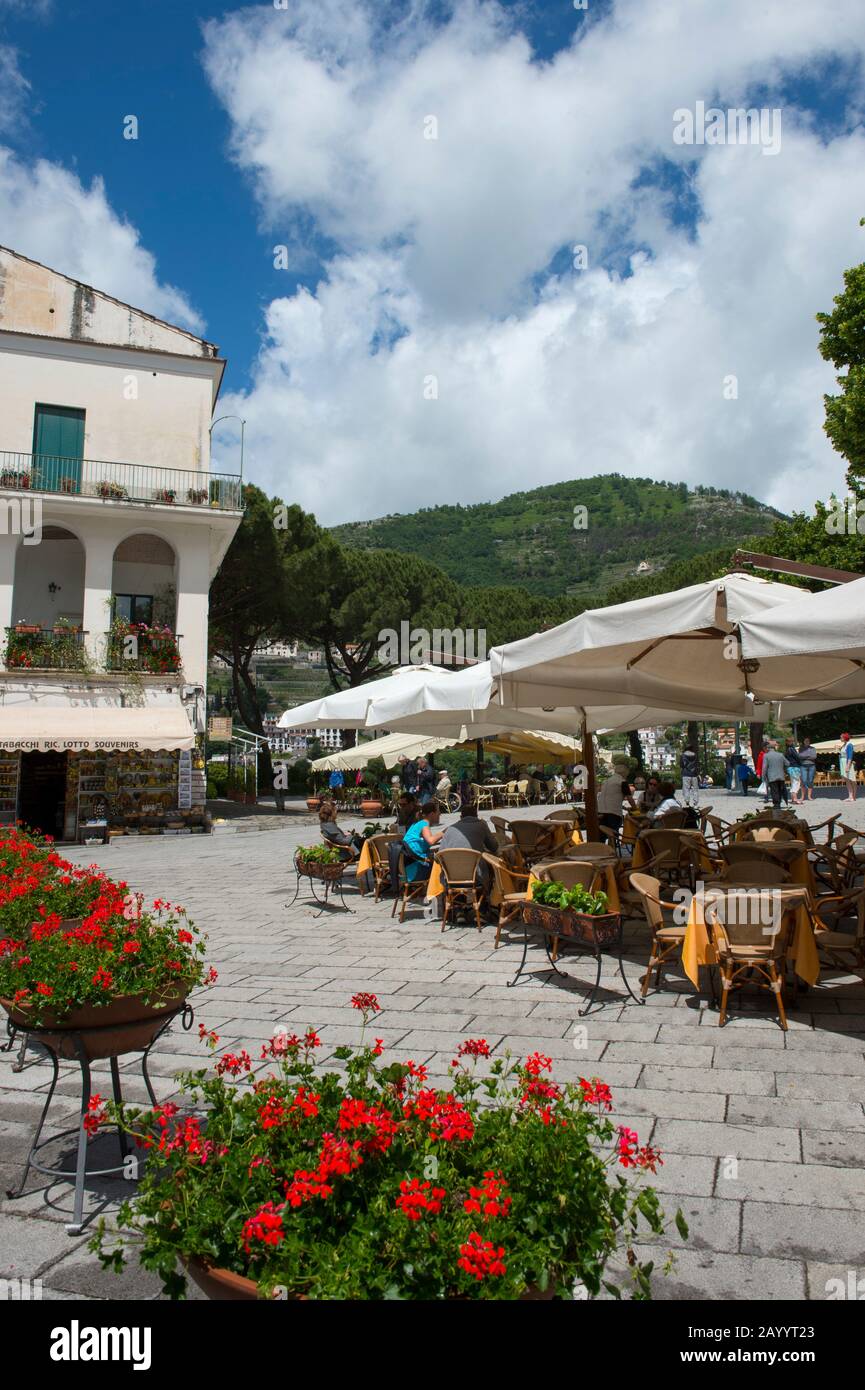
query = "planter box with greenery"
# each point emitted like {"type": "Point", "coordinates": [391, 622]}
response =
{"type": "Point", "coordinates": [79, 953]}
{"type": "Point", "coordinates": [318, 861]}
{"type": "Point", "coordinates": [369, 1183]}
{"type": "Point", "coordinates": [573, 913]}
{"type": "Point", "coordinates": [111, 491]}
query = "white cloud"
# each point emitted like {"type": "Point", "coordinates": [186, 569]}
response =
{"type": "Point", "coordinates": [441, 238]}
{"type": "Point", "coordinates": [48, 214]}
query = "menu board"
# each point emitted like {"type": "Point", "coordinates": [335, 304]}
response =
{"type": "Point", "coordinates": [184, 780]}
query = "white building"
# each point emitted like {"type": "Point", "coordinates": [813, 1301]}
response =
{"type": "Point", "coordinates": [111, 525]}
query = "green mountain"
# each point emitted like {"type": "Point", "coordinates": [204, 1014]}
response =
{"type": "Point", "coordinates": [539, 541]}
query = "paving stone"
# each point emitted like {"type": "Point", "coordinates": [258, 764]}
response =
{"type": "Point", "coordinates": [786, 1112]}
{"type": "Point", "coordinates": [706, 1274]}
{"type": "Point", "coordinates": [744, 1141]}
{"type": "Point", "coordinates": [715, 1079]}
{"type": "Point", "coordinates": [845, 1148]}
{"type": "Point", "coordinates": [835, 1282]}
{"type": "Point", "coordinates": [702, 1105]}
{"type": "Point", "coordinates": [800, 1184]}
{"type": "Point", "coordinates": [803, 1232]}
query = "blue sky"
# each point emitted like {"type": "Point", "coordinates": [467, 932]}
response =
{"type": "Point", "coordinates": [177, 183]}
{"type": "Point", "coordinates": [451, 261]}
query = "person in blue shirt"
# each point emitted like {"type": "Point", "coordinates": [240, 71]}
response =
{"type": "Point", "coordinates": [419, 839]}
{"type": "Point", "coordinates": [743, 772]}
{"type": "Point", "coordinates": [336, 779]}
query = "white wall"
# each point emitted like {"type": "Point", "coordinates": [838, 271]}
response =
{"type": "Point", "coordinates": [166, 425]}
{"type": "Point", "coordinates": [51, 562]}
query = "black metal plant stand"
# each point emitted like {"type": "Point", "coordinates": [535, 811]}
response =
{"type": "Point", "coordinates": [333, 887]}
{"type": "Point", "coordinates": [81, 1172]}
{"type": "Point", "coordinates": [593, 947]}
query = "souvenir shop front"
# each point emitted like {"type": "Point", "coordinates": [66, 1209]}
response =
{"type": "Point", "coordinates": [105, 772]}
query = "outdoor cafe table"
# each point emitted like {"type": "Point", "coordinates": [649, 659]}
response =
{"type": "Point", "coordinates": [697, 948]}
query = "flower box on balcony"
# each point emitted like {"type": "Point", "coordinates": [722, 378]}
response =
{"type": "Point", "coordinates": [196, 496]}
{"type": "Point", "coordinates": [166, 495]}
{"type": "Point", "coordinates": [112, 491]}
{"type": "Point", "coordinates": [14, 477]}
{"type": "Point", "coordinates": [69, 485]}
{"type": "Point", "coordinates": [27, 627]}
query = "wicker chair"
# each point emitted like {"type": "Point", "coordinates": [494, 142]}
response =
{"type": "Point", "coordinates": [482, 797]}
{"type": "Point", "coordinates": [380, 867]}
{"type": "Point", "coordinates": [842, 949]}
{"type": "Point", "coordinates": [463, 885]}
{"type": "Point", "coordinates": [500, 830]}
{"type": "Point", "coordinates": [406, 890]}
{"type": "Point", "coordinates": [667, 939]}
{"type": "Point", "coordinates": [756, 871]}
{"type": "Point", "coordinates": [506, 881]}
{"type": "Point", "coordinates": [749, 952]}
{"type": "Point", "coordinates": [534, 839]}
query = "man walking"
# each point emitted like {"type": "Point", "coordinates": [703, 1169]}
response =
{"type": "Point", "coordinates": [775, 767]}
{"type": "Point", "coordinates": [808, 761]}
{"type": "Point", "coordinates": [847, 767]}
{"type": "Point", "coordinates": [690, 778]}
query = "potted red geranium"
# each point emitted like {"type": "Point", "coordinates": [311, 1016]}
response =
{"type": "Point", "coordinates": [371, 1183]}
{"type": "Point", "coordinates": [80, 953]}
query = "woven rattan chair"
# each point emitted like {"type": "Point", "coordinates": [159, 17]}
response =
{"type": "Point", "coordinates": [482, 797]}
{"type": "Point", "coordinates": [845, 950]}
{"type": "Point", "coordinates": [510, 886]}
{"type": "Point", "coordinates": [535, 839]}
{"type": "Point", "coordinates": [667, 938]}
{"type": "Point", "coordinates": [463, 886]}
{"type": "Point", "coordinates": [756, 871]}
{"type": "Point", "coordinates": [749, 951]}
{"type": "Point", "coordinates": [500, 830]}
{"type": "Point", "coordinates": [407, 890]}
{"type": "Point", "coordinates": [380, 868]}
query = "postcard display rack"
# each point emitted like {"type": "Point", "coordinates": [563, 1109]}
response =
{"type": "Point", "coordinates": [10, 765]}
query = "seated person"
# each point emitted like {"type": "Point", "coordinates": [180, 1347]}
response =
{"type": "Point", "coordinates": [407, 810]}
{"type": "Point", "coordinates": [668, 801]}
{"type": "Point", "coordinates": [418, 842]}
{"type": "Point", "coordinates": [443, 785]}
{"type": "Point", "coordinates": [652, 796]}
{"type": "Point", "coordinates": [349, 846]}
{"type": "Point", "coordinates": [469, 832]}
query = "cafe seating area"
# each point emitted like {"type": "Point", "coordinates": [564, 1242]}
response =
{"type": "Point", "coordinates": [755, 909]}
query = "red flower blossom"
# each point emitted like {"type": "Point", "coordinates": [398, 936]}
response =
{"type": "Point", "coordinates": [488, 1200]}
{"type": "Point", "coordinates": [234, 1064]}
{"type": "Point", "coordinates": [44, 989]}
{"type": "Point", "coordinates": [264, 1228]}
{"type": "Point", "coordinates": [131, 948]}
{"type": "Point", "coordinates": [367, 1003]}
{"type": "Point", "coordinates": [94, 1116]}
{"type": "Point", "coordinates": [481, 1258]}
{"type": "Point", "coordinates": [416, 1197]}
{"type": "Point", "coordinates": [596, 1093]}
{"type": "Point", "coordinates": [103, 978]}
{"type": "Point", "coordinates": [473, 1047]}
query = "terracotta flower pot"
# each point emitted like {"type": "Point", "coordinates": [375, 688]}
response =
{"type": "Point", "coordinates": [125, 1024]}
{"type": "Point", "coordinates": [223, 1286]}
{"type": "Point", "coordinates": [313, 803]}
{"type": "Point", "coordinates": [371, 808]}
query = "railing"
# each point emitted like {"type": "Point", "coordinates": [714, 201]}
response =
{"type": "Point", "coordinates": [140, 649]}
{"type": "Point", "coordinates": [120, 482]}
{"type": "Point", "coordinates": [44, 649]}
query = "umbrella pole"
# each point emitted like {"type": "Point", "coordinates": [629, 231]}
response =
{"type": "Point", "coordinates": [591, 798]}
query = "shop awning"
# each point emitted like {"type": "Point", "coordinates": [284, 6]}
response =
{"type": "Point", "coordinates": [66, 728]}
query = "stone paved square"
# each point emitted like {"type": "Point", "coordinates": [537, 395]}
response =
{"type": "Point", "coordinates": [763, 1134]}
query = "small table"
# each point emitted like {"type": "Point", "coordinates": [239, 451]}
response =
{"type": "Point", "coordinates": [697, 948]}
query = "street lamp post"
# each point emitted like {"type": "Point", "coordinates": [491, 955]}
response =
{"type": "Point", "coordinates": [242, 431]}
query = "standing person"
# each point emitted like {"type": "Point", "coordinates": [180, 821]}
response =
{"type": "Point", "coordinates": [729, 771]}
{"type": "Point", "coordinates": [758, 768]}
{"type": "Point", "coordinates": [407, 774]}
{"type": "Point", "coordinates": [613, 792]}
{"type": "Point", "coordinates": [791, 753]}
{"type": "Point", "coordinates": [464, 789]}
{"type": "Point", "coordinates": [743, 773]}
{"type": "Point", "coordinates": [336, 780]}
{"type": "Point", "coordinates": [426, 780]}
{"type": "Point", "coordinates": [808, 763]}
{"type": "Point", "coordinates": [774, 774]}
{"type": "Point", "coordinates": [690, 777]}
{"type": "Point", "coordinates": [847, 767]}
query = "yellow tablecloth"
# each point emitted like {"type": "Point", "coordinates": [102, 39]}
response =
{"type": "Point", "coordinates": [364, 864]}
{"type": "Point", "coordinates": [698, 950]}
{"type": "Point", "coordinates": [435, 886]}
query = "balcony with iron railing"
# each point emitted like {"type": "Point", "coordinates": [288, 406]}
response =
{"type": "Point", "coordinates": [33, 648]}
{"type": "Point", "coordinates": [129, 647]}
{"type": "Point", "coordinates": [120, 482]}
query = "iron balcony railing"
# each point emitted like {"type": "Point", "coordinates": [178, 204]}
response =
{"type": "Point", "coordinates": [120, 482]}
{"type": "Point", "coordinates": [143, 649]}
{"type": "Point", "coordinates": [30, 648]}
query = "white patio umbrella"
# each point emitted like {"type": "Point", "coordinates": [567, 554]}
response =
{"type": "Point", "coordinates": [389, 749]}
{"type": "Point", "coordinates": [669, 651]}
{"type": "Point", "coordinates": [811, 649]}
{"type": "Point", "coordinates": [470, 699]}
{"type": "Point", "coordinates": [347, 709]}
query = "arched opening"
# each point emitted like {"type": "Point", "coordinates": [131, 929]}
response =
{"type": "Point", "coordinates": [144, 581]}
{"type": "Point", "coordinates": [49, 581]}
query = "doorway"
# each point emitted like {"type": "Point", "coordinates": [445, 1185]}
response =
{"type": "Point", "coordinates": [42, 792]}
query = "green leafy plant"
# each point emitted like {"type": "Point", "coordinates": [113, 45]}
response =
{"type": "Point", "coordinates": [372, 828]}
{"type": "Point", "coordinates": [111, 490]}
{"type": "Point", "coordinates": [368, 1183]}
{"type": "Point", "coordinates": [577, 899]}
{"type": "Point", "coordinates": [71, 936]}
{"type": "Point", "coordinates": [318, 854]}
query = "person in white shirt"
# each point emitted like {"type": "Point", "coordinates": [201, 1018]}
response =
{"type": "Point", "coordinates": [611, 796]}
{"type": "Point", "coordinates": [669, 802]}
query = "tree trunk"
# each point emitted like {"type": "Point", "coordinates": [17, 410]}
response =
{"type": "Point", "coordinates": [693, 736]}
{"type": "Point", "coordinates": [591, 793]}
{"type": "Point", "coordinates": [247, 708]}
{"type": "Point", "coordinates": [755, 736]}
{"type": "Point", "coordinates": [636, 748]}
